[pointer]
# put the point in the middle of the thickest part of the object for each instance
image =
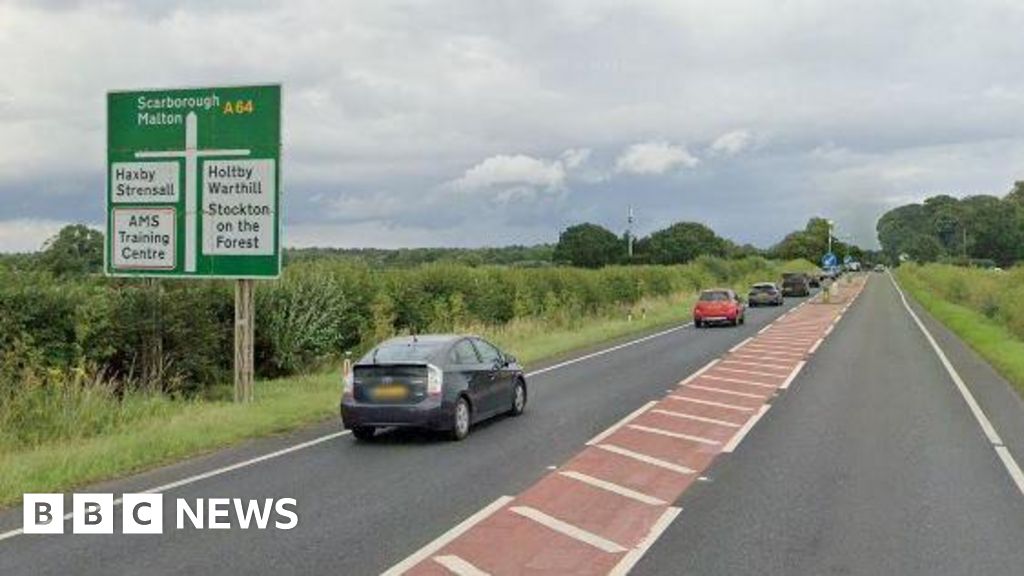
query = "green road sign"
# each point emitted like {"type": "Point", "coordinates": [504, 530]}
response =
{"type": "Point", "coordinates": [193, 182]}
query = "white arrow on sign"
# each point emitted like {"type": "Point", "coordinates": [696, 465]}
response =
{"type": "Point", "coordinates": [191, 154]}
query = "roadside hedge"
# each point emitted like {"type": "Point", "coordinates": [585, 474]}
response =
{"type": "Point", "coordinates": [317, 311]}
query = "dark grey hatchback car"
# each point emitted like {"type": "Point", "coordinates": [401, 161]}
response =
{"type": "Point", "coordinates": [435, 382]}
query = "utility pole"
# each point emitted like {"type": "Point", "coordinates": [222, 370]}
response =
{"type": "Point", "coordinates": [830, 224]}
{"type": "Point", "coordinates": [629, 232]}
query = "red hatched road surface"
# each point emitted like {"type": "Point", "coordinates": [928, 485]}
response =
{"type": "Point", "coordinates": [600, 511]}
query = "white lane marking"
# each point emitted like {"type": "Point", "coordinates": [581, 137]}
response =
{"type": "Point", "coordinates": [757, 364]}
{"type": "Point", "coordinates": [710, 403]}
{"type": "Point", "coordinates": [738, 381]}
{"type": "Point", "coordinates": [828, 330]}
{"type": "Point", "coordinates": [729, 392]}
{"type": "Point", "coordinates": [761, 356]}
{"type": "Point", "coordinates": [443, 540]}
{"type": "Point", "coordinates": [634, 555]}
{"type": "Point", "coordinates": [769, 339]}
{"type": "Point", "coordinates": [777, 349]}
{"type": "Point", "coordinates": [614, 427]}
{"type": "Point", "coordinates": [645, 458]}
{"type": "Point", "coordinates": [607, 350]}
{"type": "Point", "coordinates": [1012, 468]}
{"type": "Point", "coordinates": [816, 344]}
{"type": "Point", "coordinates": [670, 434]}
{"type": "Point", "coordinates": [742, 432]}
{"type": "Point", "coordinates": [792, 375]}
{"type": "Point", "coordinates": [750, 372]}
{"type": "Point", "coordinates": [613, 488]}
{"type": "Point", "coordinates": [458, 566]}
{"type": "Point", "coordinates": [697, 374]}
{"type": "Point", "coordinates": [569, 530]}
{"type": "Point", "coordinates": [212, 473]}
{"type": "Point", "coordinates": [686, 416]}
{"type": "Point", "coordinates": [741, 344]}
{"type": "Point", "coordinates": [770, 354]}
{"type": "Point", "coordinates": [765, 329]}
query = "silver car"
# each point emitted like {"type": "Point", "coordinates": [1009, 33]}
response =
{"type": "Point", "coordinates": [765, 294]}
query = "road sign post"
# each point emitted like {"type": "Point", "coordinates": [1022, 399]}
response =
{"type": "Point", "coordinates": [193, 191]}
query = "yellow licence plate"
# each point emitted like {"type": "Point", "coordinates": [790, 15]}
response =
{"type": "Point", "coordinates": [391, 392]}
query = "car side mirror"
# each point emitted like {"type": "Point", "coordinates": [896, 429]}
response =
{"type": "Point", "coordinates": [510, 360]}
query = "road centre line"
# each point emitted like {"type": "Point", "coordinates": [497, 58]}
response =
{"type": "Point", "coordinates": [792, 375]}
{"type": "Point", "coordinates": [815, 347]}
{"type": "Point", "coordinates": [567, 529]}
{"type": "Point", "coordinates": [710, 403]}
{"type": "Point", "coordinates": [607, 350]}
{"type": "Point", "coordinates": [742, 432]}
{"type": "Point", "coordinates": [741, 344]}
{"type": "Point", "coordinates": [738, 381]}
{"type": "Point", "coordinates": [670, 434]}
{"type": "Point", "coordinates": [987, 428]}
{"type": "Point", "coordinates": [645, 458]}
{"type": "Point", "coordinates": [613, 487]}
{"type": "Point", "coordinates": [686, 416]}
{"type": "Point", "coordinates": [634, 555]}
{"type": "Point", "coordinates": [729, 392]}
{"type": "Point", "coordinates": [458, 566]}
{"type": "Point", "coordinates": [614, 427]}
{"type": "Point", "coordinates": [444, 539]}
{"type": "Point", "coordinates": [698, 373]}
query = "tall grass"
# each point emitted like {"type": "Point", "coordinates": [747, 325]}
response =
{"type": "Point", "coordinates": [985, 308]}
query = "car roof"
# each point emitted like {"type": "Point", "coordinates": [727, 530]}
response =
{"type": "Point", "coordinates": [427, 338]}
{"type": "Point", "coordinates": [710, 290]}
{"type": "Point", "coordinates": [760, 284]}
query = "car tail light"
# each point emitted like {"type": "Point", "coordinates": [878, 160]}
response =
{"type": "Point", "coordinates": [435, 380]}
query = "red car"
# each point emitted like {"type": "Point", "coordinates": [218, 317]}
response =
{"type": "Point", "coordinates": [719, 306]}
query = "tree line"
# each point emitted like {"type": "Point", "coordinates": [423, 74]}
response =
{"type": "Point", "coordinates": [981, 229]}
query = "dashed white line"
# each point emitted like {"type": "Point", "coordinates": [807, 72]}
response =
{"type": "Point", "coordinates": [613, 487]}
{"type": "Point", "coordinates": [645, 458]}
{"type": "Point", "coordinates": [458, 566]}
{"type": "Point", "coordinates": [776, 349]}
{"type": "Point", "coordinates": [727, 392]}
{"type": "Point", "coordinates": [710, 403]}
{"type": "Point", "coordinates": [569, 530]}
{"type": "Point", "coordinates": [792, 375]}
{"type": "Point", "coordinates": [755, 355]}
{"type": "Point", "coordinates": [634, 555]}
{"type": "Point", "coordinates": [742, 432]}
{"type": "Point", "coordinates": [816, 345]}
{"type": "Point", "coordinates": [670, 434]}
{"type": "Point", "coordinates": [444, 539]}
{"type": "Point", "coordinates": [697, 374]}
{"type": "Point", "coordinates": [614, 427]}
{"type": "Point", "coordinates": [686, 416]}
{"type": "Point", "coordinates": [741, 344]}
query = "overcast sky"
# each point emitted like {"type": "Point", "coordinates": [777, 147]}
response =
{"type": "Point", "coordinates": [492, 122]}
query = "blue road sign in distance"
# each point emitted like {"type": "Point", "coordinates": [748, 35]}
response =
{"type": "Point", "coordinates": [829, 260]}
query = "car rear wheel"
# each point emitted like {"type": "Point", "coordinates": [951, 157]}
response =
{"type": "Point", "coordinates": [698, 324]}
{"type": "Point", "coordinates": [518, 399]}
{"type": "Point", "coordinates": [460, 420]}
{"type": "Point", "coordinates": [364, 433]}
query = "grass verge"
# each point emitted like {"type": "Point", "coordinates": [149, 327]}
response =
{"type": "Point", "coordinates": [171, 430]}
{"type": "Point", "coordinates": [988, 337]}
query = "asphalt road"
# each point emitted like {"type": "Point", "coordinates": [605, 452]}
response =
{"type": "Point", "coordinates": [364, 507]}
{"type": "Point", "coordinates": [873, 464]}
{"type": "Point", "coordinates": [870, 463]}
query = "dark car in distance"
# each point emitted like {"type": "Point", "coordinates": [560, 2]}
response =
{"type": "Point", "coordinates": [436, 382]}
{"type": "Point", "coordinates": [765, 294]}
{"type": "Point", "coordinates": [795, 284]}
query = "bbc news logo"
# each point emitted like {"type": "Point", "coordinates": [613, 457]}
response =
{"type": "Point", "coordinates": [144, 514]}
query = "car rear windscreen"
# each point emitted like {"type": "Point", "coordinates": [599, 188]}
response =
{"type": "Point", "coordinates": [404, 352]}
{"type": "Point", "coordinates": [714, 297]}
{"type": "Point", "coordinates": [763, 288]}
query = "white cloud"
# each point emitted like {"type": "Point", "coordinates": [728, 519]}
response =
{"type": "Point", "coordinates": [654, 158]}
{"type": "Point", "coordinates": [575, 157]}
{"type": "Point", "coordinates": [27, 234]}
{"type": "Point", "coordinates": [515, 170]}
{"type": "Point", "coordinates": [731, 143]}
